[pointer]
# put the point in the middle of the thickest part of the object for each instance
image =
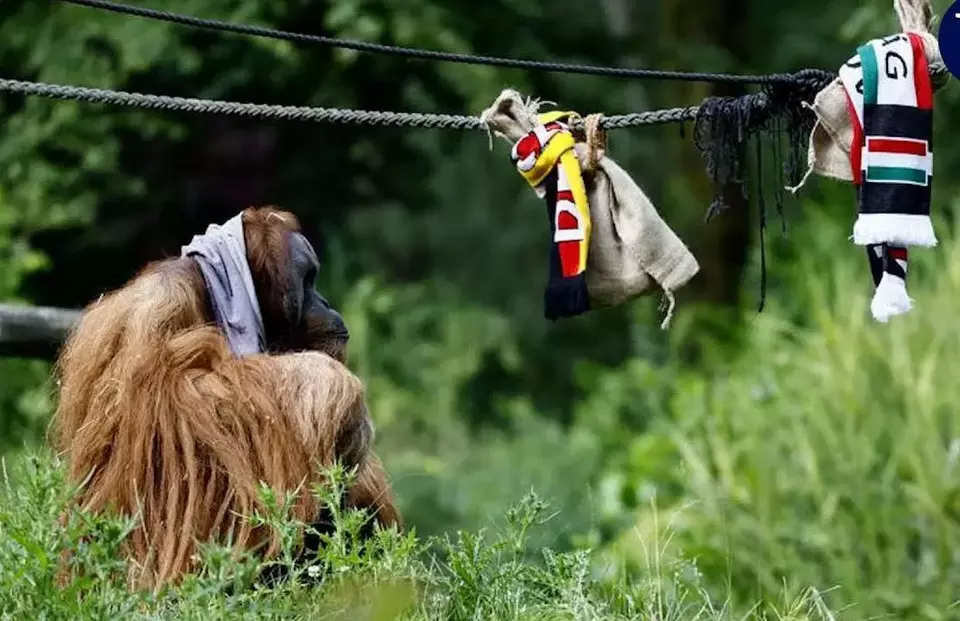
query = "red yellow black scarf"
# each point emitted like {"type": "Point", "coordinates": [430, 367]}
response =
{"type": "Point", "coordinates": [546, 159]}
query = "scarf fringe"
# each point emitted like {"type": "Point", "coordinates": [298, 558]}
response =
{"type": "Point", "coordinates": [893, 228]}
{"type": "Point", "coordinates": [890, 299]}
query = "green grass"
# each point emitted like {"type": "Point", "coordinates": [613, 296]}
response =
{"type": "Point", "coordinates": [826, 452]}
{"type": "Point", "coordinates": [809, 472]}
{"type": "Point", "coordinates": [473, 576]}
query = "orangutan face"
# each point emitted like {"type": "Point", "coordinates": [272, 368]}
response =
{"type": "Point", "coordinates": [320, 326]}
{"type": "Point", "coordinates": [284, 266]}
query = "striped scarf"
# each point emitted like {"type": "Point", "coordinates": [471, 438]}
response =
{"type": "Point", "coordinates": [545, 157]}
{"type": "Point", "coordinates": [890, 100]}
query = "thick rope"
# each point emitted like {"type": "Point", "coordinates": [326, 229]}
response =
{"type": "Point", "coordinates": [304, 113]}
{"type": "Point", "coordinates": [395, 50]}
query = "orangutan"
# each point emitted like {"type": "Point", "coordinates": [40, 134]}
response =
{"type": "Point", "coordinates": [203, 376]}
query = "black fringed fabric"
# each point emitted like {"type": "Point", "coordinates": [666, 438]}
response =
{"type": "Point", "coordinates": [724, 125]}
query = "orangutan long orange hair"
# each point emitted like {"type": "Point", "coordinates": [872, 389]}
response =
{"type": "Point", "coordinates": [159, 417]}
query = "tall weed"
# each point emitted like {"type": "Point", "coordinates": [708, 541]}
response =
{"type": "Point", "coordinates": [825, 451]}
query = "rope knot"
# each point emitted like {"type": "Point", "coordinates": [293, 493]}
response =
{"type": "Point", "coordinates": [596, 139]}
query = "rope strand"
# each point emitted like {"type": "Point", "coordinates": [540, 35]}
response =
{"type": "Point", "coordinates": [395, 50]}
{"type": "Point", "coordinates": [305, 113]}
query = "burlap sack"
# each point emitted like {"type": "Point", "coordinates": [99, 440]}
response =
{"type": "Point", "coordinates": [632, 250]}
{"type": "Point", "coordinates": [828, 153]}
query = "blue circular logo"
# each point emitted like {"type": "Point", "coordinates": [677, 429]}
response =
{"type": "Point", "coordinates": [949, 37]}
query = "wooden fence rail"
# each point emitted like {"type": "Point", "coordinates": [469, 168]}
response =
{"type": "Point", "coordinates": [34, 331]}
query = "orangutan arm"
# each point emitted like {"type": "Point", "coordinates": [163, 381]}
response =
{"type": "Point", "coordinates": [327, 403]}
{"type": "Point", "coordinates": [371, 490]}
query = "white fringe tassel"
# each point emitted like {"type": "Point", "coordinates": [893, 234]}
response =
{"type": "Point", "coordinates": [896, 229]}
{"type": "Point", "coordinates": [890, 298]}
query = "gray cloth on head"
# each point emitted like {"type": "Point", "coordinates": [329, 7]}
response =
{"type": "Point", "coordinates": [221, 253]}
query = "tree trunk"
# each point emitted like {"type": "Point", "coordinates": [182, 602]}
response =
{"type": "Point", "coordinates": [721, 246]}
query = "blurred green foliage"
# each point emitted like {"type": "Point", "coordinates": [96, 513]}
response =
{"type": "Point", "coordinates": [802, 447]}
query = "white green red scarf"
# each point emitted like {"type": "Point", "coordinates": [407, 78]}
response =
{"type": "Point", "coordinates": [890, 99]}
{"type": "Point", "coordinates": [546, 159]}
